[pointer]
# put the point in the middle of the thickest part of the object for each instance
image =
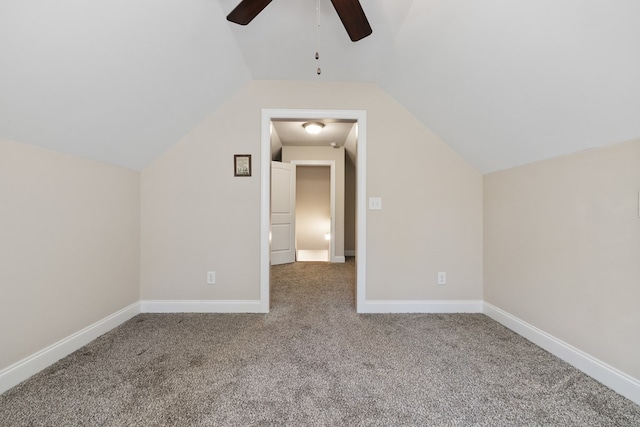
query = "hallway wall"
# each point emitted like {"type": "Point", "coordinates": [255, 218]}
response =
{"type": "Point", "coordinates": [313, 213]}
{"type": "Point", "coordinates": [290, 154]}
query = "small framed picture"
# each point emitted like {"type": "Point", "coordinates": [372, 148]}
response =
{"type": "Point", "coordinates": [242, 165]}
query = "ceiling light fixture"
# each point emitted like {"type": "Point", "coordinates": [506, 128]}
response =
{"type": "Point", "coordinates": [313, 128]}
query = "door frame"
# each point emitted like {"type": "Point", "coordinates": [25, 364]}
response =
{"type": "Point", "coordinates": [332, 202]}
{"type": "Point", "coordinates": [360, 117]}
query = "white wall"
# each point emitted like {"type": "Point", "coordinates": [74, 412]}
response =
{"type": "Point", "coordinates": [69, 246]}
{"type": "Point", "coordinates": [562, 250]}
{"type": "Point", "coordinates": [196, 216]}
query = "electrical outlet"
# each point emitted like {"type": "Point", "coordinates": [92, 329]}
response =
{"type": "Point", "coordinates": [211, 278]}
{"type": "Point", "coordinates": [442, 278]}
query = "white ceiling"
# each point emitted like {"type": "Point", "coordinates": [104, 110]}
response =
{"type": "Point", "coordinates": [504, 82]}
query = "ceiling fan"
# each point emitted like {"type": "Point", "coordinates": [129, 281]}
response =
{"type": "Point", "coordinates": [349, 11]}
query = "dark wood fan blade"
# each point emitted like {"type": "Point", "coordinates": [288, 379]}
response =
{"type": "Point", "coordinates": [246, 11]}
{"type": "Point", "coordinates": [353, 18]}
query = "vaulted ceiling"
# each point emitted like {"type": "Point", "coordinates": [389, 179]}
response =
{"type": "Point", "coordinates": [503, 82]}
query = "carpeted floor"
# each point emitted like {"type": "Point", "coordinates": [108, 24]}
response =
{"type": "Point", "coordinates": [313, 361]}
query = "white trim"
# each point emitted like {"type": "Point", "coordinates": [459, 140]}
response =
{"type": "Point", "coordinates": [361, 212]}
{"type": "Point", "coordinates": [338, 259]}
{"type": "Point", "coordinates": [616, 380]}
{"type": "Point", "coordinates": [265, 213]}
{"type": "Point", "coordinates": [332, 197]}
{"type": "Point", "coordinates": [349, 253]}
{"type": "Point", "coordinates": [31, 365]}
{"type": "Point", "coordinates": [416, 306]}
{"type": "Point", "coordinates": [201, 306]}
{"type": "Point", "coordinates": [611, 377]}
{"type": "Point", "coordinates": [360, 116]}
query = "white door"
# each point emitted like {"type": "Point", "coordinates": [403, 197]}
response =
{"type": "Point", "coordinates": [283, 213]}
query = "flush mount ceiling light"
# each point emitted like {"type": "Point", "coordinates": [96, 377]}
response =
{"type": "Point", "coordinates": [313, 128]}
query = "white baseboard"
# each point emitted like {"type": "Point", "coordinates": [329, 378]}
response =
{"type": "Point", "coordinates": [200, 306]}
{"type": "Point", "coordinates": [338, 259]}
{"type": "Point", "coordinates": [616, 380]}
{"type": "Point", "coordinates": [349, 253]}
{"type": "Point", "coordinates": [20, 371]}
{"type": "Point", "coordinates": [305, 255]}
{"type": "Point", "coordinates": [611, 377]}
{"type": "Point", "coordinates": [398, 306]}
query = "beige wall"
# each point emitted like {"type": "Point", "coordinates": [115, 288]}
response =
{"type": "Point", "coordinates": [196, 216]}
{"type": "Point", "coordinates": [80, 239]}
{"type": "Point", "coordinates": [350, 191]}
{"type": "Point", "coordinates": [313, 207]}
{"type": "Point", "coordinates": [562, 249]}
{"type": "Point", "coordinates": [69, 246]}
{"type": "Point", "coordinates": [350, 181]}
{"type": "Point", "coordinates": [276, 145]}
{"type": "Point", "coordinates": [337, 155]}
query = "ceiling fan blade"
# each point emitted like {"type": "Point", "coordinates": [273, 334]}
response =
{"type": "Point", "coordinates": [353, 18]}
{"type": "Point", "coordinates": [246, 11]}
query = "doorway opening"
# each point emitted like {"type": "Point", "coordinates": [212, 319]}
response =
{"type": "Point", "coordinates": [315, 228]}
{"type": "Point", "coordinates": [357, 119]}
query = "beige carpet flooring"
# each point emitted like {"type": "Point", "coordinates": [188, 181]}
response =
{"type": "Point", "coordinates": [312, 361]}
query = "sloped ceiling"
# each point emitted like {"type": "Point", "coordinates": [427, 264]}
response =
{"type": "Point", "coordinates": [504, 82]}
{"type": "Point", "coordinates": [114, 80]}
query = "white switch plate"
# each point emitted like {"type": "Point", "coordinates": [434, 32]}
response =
{"type": "Point", "coordinates": [375, 203]}
{"type": "Point", "coordinates": [211, 277]}
{"type": "Point", "coordinates": [442, 278]}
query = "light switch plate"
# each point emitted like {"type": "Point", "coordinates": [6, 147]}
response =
{"type": "Point", "coordinates": [375, 203]}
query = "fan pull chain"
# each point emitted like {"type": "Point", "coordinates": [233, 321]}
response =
{"type": "Point", "coordinates": [318, 71]}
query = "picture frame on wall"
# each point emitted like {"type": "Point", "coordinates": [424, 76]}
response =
{"type": "Point", "coordinates": [242, 165]}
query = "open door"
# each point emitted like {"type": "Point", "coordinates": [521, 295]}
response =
{"type": "Point", "coordinates": [283, 213]}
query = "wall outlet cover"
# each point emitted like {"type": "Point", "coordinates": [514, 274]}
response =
{"type": "Point", "coordinates": [442, 278]}
{"type": "Point", "coordinates": [211, 278]}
